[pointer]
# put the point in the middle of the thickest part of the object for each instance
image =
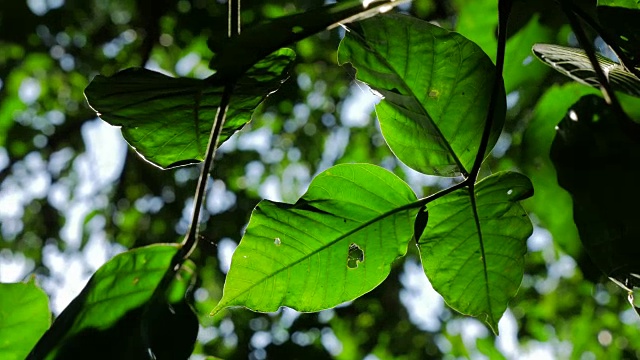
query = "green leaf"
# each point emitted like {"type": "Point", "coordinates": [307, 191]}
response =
{"type": "Point", "coordinates": [24, 317]}
{"type": "Point", "coordinates": [168, 120]}
{"type": "Point", "coordinates": [334, 245]}
{"type": "Point", "coordinates": [536, 144]}
{"type": "Point", "coordinates": [111, 312]}
{"type": "Point", "coordinates": [436, 87]}
{"type": "Point", "coordinates": [477, 265]}
{"type": "Point", "coordinates": [624, 25]}
{"type": "Point", "coordinates": [575, 64]}
{"type": "Point", "coordinates": [592, 144]}
{"type": "Point", "coordinates": [235, 55]}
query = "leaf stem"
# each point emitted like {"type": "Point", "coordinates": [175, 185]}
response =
{"type": "Point", "coordinates": [191, 239]}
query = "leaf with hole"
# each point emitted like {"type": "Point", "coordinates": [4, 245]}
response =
{"type": "Point", "coordinates": [475, 259]}
{"type": "Point", "coordinates": [24, 317]}
{"type": "Point", "coordinates": [335, 244]}
{"type": "Point", "coordinates": [168, 120]}
{"type": "Point", "coordinates": [575, 64]}
{"type": "Point", "coordinates": [116, 313]}
{"type": "Point", "coordinates": [436, 86]}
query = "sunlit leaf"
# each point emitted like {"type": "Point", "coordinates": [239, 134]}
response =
{"type": "Point", "coordinates": [593, 150]}
{"type": "Point", "coordinates": [334, 245]}
{"type": "Point", "coordinates": [575, 64]}
{"type": "Point", "coordinates": [24, 317]}
{"type": "Point", "coordinates": [477, 264]}
{"type": "Point", "coordinates": [168, 120]}
{"type": "Point", "coordinates": [436, 87]}
{"type": "Point", "coordinates": [116, 313]}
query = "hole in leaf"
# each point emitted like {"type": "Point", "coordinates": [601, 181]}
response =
{"type": "Point", "coordinates": [355, 256]}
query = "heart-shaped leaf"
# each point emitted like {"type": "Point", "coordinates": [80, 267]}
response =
{"type": "Point", "coordinates": [24, 317]}
{"type": "Point", "coordinates": [168, 120]}
{"type": "Point", "coordinates": [436, 86]}
{"type": "Point", "coordinates": [334, 245]}
{"type": "Point", "coordinates": [575, 64]}
{"type": "Point", "coordinates": [473, 248]}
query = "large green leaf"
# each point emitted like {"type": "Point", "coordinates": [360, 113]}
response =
{"type": "Point", "coordinates": [168, 120]}
{"type": "Point", "coordinates": [111, 312]}
{"type": "Point", "coordinates": [477, 264]}
{"type": "Point", "coordinates": [24, 317]}
{"type": "Point", "coordinates": [593, 146]}
{"type": "Point", "coordinates": [436, 87]}
{"type": "Point", "coordinates": [575, 64]}
{"type": "Point", "coordinates": [233, 56]}
{"type": "Point", "coordinates": [334, 245]}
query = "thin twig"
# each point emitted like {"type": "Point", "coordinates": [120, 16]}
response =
{"type": "Point", "coordinates": [191, 239]}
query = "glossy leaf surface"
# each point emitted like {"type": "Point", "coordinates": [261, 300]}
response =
{"type": "Point", "coordinates": [436, 87]}
{"type": "Point", "coordinates": [168, 120]}
{"type": "Point", "coordinates": [24, 317]}
{"type": "Point", "coordinates": [575, 64]}
{"type": "Point", "coordinates": [592, 144]}
{"type": "Point", "coordinates": [111, 312]}
{"type": "Point", "coordinates": [334, 245]}
{"type": "Point", "coordinates": [477, 263]}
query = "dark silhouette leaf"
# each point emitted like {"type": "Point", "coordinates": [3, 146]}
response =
{"type": "Point", "coordinates": [624, 25]}
{"type": "Point", "coordinates": [592, 151]}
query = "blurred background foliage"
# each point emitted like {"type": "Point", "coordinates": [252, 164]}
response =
{"type": "Point", "coordinates": [72, 194]}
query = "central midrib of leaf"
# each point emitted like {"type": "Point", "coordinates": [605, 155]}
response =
{"type": "Point", "coordinates": [476, 218]}
{"type": "Point", "coordinates": [415, 98]}
{"type": "Point", "coordinates": [415, 204]}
